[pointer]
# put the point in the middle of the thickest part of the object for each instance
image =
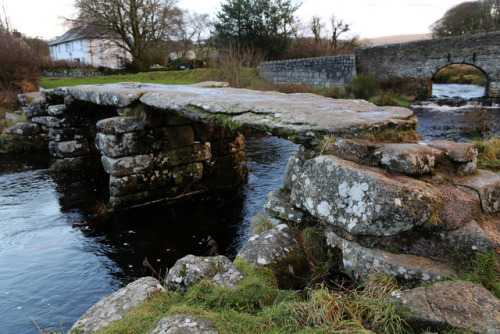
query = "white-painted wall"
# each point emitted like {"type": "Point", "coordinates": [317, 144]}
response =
{"type": "Point", "coordinates": [95, 52]}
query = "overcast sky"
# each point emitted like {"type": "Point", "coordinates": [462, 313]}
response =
{"type": "Point", "coordinates": [368, 18]}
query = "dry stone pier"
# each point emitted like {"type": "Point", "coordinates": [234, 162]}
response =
{"type": "Point", "coordinates": [166, 142]}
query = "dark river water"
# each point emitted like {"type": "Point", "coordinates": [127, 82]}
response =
{"type": "Point", "coordinates": [57, 259]}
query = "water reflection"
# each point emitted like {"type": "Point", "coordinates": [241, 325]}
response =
{"type": "Point", "coordinates": [58, 259]}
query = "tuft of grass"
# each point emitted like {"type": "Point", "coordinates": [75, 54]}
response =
{"type": "Point", "coordinates": [489, 153]}
{"type": "Point", "coordinates": [486, 272]}
{"type": "Point", "coordinates": [365, 310]}
{"type": "Point", "coordinates": [260, 223]}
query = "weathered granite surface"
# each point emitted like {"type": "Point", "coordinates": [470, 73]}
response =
{"type": "Point", "coordinates": [302, 116]}
{"type": "Point", "coordinates": [113, 307]}
{"type": "Point", "coordinates": [455, 304]}
{"type": "Point", "coordinates": [191, 269]}
{"type": "Point", "coordinates": [184, 324]}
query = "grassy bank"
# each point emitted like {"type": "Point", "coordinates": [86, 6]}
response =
{"type": "Point", "coordinates": [460, 74]}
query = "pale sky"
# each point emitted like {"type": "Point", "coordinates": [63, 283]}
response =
{"type": "Point", "coordinates": [368, 18]}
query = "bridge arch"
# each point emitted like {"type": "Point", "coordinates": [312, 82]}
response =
{"type": "Point", "coordinates": [422, 59]}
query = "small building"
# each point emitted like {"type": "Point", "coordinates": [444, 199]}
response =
{"type": "Point", "coordinates": [88, 45]}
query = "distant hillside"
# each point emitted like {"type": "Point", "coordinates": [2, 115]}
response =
{"type": "Point", "coordinates": [397, 39]}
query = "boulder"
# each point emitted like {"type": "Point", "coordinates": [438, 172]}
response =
{"type": "Point", "coordinates": [467, 240]}
{"type": "Point", "coordinates": [359, 151]}
{"type": "Point", "coordinates": [114, 307]}
{"type": "Point", "coordinates": [360, 262]}
{"type": "Point", "coordinates": [68, 134]}
{"type": "Point", "coordinates": [278, 206]}
{"type": "Point", "coordinates": [487, 185]}
{"type": "Point", "coordinates": [411, 159]}
{"type": "Point", "coordinates": [455, 304]}
{"type": "Point", "coordinates": [457, 152]}
{"type": "Point", "coordinates": [13, 117]}
{"type": "Point", "coordinates": [191, 269]}
{"type": "Point", "coordinates": [292, 172]}
{"type": "Point", "coordinates": [280, 250]}
{"type": "Point", "coordinates": [26, 98]}
{"type": "Point", "coordinates": [363, 200]}
{"type": "Point", "coordinates": [184, 324]}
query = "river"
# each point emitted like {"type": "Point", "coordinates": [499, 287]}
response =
{"type": "Point", "coordinates": [57, 258]}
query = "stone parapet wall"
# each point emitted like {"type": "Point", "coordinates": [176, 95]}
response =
{"type": "Point", "coordinates": [325, 72]}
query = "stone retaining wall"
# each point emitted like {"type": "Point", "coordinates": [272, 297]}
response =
{"type": "Point", "coordinates": [328, 72]}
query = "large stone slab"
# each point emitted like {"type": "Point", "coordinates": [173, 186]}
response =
{"type": "Point", "coordinates": [136, 164]}
{"type": "Point", "coordinates": [362, 200]}
{"type": "Point", "coordinates": [455, 304]}
{"type": "Point", "coordinates": [360, 262]}
{"type": "Point", "coordinates": [191, 269]}
{"type": "Point", "coordinates": [303, 116]}
{"type": "Point", "coordinates": [113, 307]}
{"type": "Point", "coordinates": [487, 185]}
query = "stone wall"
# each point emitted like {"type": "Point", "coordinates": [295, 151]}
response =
{"type": "Point", "coordinates": [336, 71]}
{"type": "Point", "coordinates": [422, 59]}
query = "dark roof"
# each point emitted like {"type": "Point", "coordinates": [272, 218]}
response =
{"type": "Point", "coordinates": [82, 32]}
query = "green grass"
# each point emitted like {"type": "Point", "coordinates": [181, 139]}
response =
{"type": "Point", "coordinates": [258, 306]}
{"type": "Point", "coordinates": [167, 78]}
{"type": "Point", "coordinates": [489, 154]}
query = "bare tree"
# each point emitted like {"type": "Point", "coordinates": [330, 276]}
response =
{"type": "Point", "coordinates": [136, 24]}
{"type": "Point", "coordinates": [338, 28]}
{"type": "Point", "coordinates": [316, 28]}
{"type": "Point", "coordinates": [192, 30]}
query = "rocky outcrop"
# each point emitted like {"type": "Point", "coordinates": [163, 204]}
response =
{"type": "Point", "coordinates": [361, 263]}
{"type": "Point", "coordinates": [191, 269]}
{"type": "Point", "coordinates": [362, 200]}
{"type": "Point", "coordinates": [413, 159]}
{"type": "Point", "coordinates": [451, 304]}
{"type": "Point", "coordinates": [487, 186]}
{"type": "Point", "coordinates": [114, 307]}
{"type": "Point", "coordinates": [383, 207]}
{"type": "Point", "coordinates": [184, 324]}
{"type": "Point", "coordinates": [278, 249]}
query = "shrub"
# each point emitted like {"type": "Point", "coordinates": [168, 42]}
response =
{"type": "Point", "coordinates": [19, 66]}
{"type": "Point", "coordinates": [363, 86]}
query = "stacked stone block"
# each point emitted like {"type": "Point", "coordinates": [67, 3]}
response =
{"type": "Point", "coordinates": [34, 133]}
{"type": "Point", "coordinates": [166, 157]}
{"type": "Point", "coordinates": [325, 72]}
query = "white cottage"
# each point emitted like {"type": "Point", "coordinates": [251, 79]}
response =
{"type": "Point", "coordinates": [88, 45]}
